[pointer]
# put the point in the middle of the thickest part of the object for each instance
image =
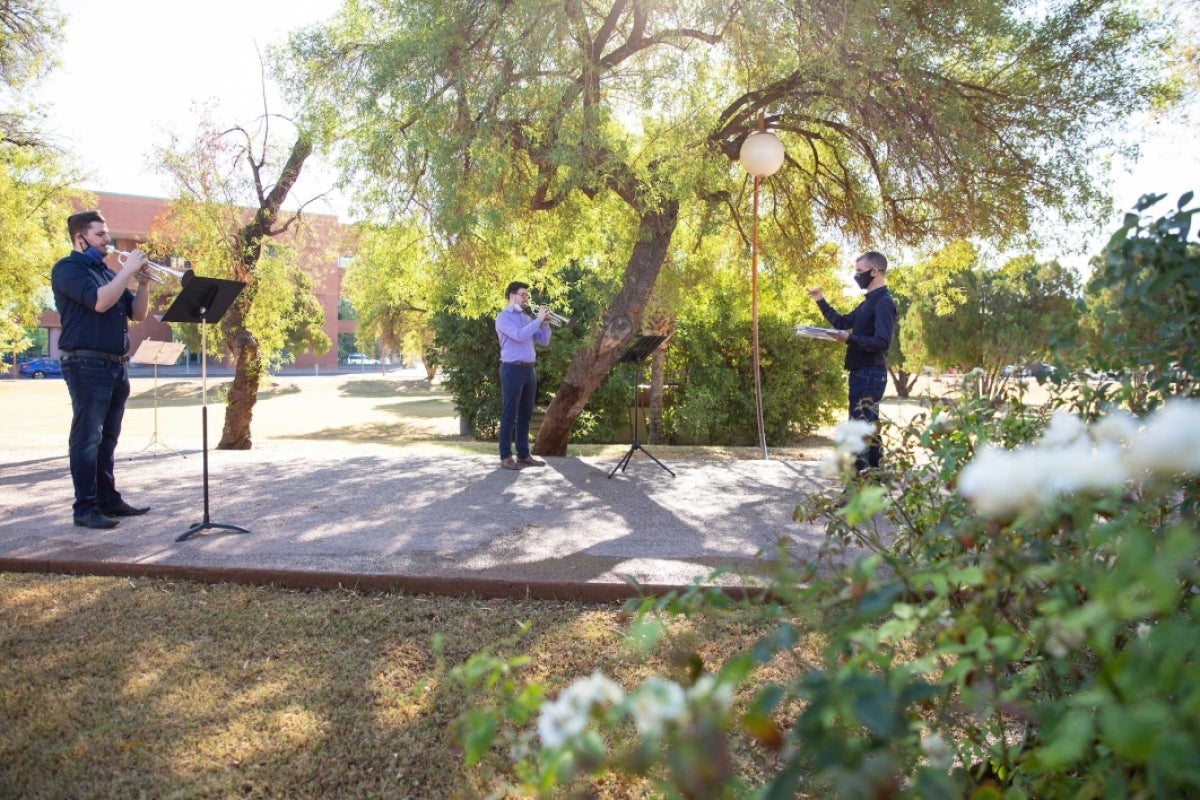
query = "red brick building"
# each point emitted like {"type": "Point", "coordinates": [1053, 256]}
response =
{"type": "Point", "coordinates": [130, 219]}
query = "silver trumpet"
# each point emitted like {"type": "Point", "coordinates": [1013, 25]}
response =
{"type": "Point", "coordinates": [556, 320]}
{"type": "Point", "coordinates": [123, 256]}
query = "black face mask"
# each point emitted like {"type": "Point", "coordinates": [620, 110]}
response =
{"type": "Point", "coordinates": [863, 279]}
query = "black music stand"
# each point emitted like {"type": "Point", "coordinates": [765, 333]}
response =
{"type": "Point", "coordinates": [641, 348]}
{"type": "Point", "coordinates": [204, 300]}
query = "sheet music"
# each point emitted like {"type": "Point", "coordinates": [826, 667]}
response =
{"type": "Point", "coordinates": [810, 332]}
{"type": "Point", "coordinates": [162, 353]}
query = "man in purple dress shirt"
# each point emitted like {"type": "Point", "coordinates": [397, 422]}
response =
{"type": "Point", "coordinates": [518, 381]}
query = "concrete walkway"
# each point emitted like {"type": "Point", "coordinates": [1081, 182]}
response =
{"type": "Point", "coordinates": [415, 520]}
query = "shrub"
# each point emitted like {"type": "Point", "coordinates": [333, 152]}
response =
{"type": "Point", "coordinates": [713, 371]}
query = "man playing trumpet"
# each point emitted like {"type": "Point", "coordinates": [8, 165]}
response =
{"type": "Point", "coordinates": [95, 306]}
{"type": "Point", "coordinates": [518, 381]}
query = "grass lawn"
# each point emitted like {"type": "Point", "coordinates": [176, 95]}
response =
{"type": "Point", "coordinates": [140, 688]}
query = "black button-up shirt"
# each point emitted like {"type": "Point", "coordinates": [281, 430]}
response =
{"type": "Point", "coordinates": [872, 324]}
{"type": "Point", "coordinates": [76, 280]}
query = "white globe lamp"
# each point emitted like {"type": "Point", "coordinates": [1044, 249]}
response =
{"type": "Point", "coordinates": [761, 154]}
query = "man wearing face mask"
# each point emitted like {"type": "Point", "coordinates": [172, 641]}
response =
{"type": "Point", "coordinates": [95, 306]}
{"type": "Point", "coordinates": [867, 332]}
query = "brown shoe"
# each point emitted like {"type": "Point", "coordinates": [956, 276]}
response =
{"type": "Point", "coordinates": [530, 461]}
{"type": "Point", "coordinates": [509, 463]}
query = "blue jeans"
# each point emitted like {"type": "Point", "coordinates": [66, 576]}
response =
{"type": "Point", "coordinates": [866, 391]}
{"type": "Point", "coordinates": [518, 390]}
{"type": "Point", "coordinates": [98, 390]}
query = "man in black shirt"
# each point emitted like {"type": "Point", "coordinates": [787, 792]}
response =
{"type": "Point", "coordinates": [95, 306]}
{"type": "Point", "coordinates": [867, 332]}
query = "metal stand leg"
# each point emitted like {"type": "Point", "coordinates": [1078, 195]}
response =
{"type": "Point", "coordinates": [624, 462]}
{"type": "Point", "coordinates": [154, 437]}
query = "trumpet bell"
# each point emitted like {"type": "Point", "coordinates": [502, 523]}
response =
{"type": "Point", "coordinates": [123, 256]}
{"type": "Point", "coordinates": [555, 320]}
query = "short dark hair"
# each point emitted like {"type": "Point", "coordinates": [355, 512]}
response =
{"type": "Point", "coordinates": [874, 259]}
{"type": "Point", "coordinates": [513, 288]}
{"type": "Point", "coordinates": [79, 223]}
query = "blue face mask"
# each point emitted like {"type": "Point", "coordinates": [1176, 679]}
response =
{"type": "Point", "coordinates": [91, 252]}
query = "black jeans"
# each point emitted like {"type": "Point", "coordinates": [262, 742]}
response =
{"type": "Point", "coordinates": [98, 390]}
{"type": "Point", "coordinates": [518, 390]}
{"type": "Point", "coordinates": [866, 390]}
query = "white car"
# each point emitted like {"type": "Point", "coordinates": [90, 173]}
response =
{"type": "Point", "coordinates": [360, 358]}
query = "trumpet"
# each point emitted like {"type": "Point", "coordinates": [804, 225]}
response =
{"type": "Point", "coordinates": [557, 320]}
{"type": "Point", "coordinates": [123, 256]}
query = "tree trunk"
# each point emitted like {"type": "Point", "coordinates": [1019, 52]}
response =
{"type": "Point", "coordinates": [243, 394]}
{"type": "Point", "coordinates": [904, 382]}
{"type": "Point", "coordinates": [593, 363]}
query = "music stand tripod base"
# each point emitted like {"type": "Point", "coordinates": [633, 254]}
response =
{"type": "Point", "coordinates": [641, 348]}
{"type": "Point", "coordinates": [203, 526]}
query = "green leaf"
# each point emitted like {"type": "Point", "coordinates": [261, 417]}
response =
{"type": "Point", "coordinates": [879, 600]}
{"type": "Point", "coordinates": [1067, 741]}
{"type": "Point", "coordinates": [481, 729]}
{"type": "Point", "coordinates": [1134, 733]}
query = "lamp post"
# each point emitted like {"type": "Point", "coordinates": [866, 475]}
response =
{"type": "Point", "coordinates": [761, 156]}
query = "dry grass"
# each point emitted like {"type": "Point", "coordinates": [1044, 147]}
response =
{"type": "Point", "coordinates": [140, 688]}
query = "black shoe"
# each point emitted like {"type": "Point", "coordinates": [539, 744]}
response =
{"type": "Point", "coordinates": [94, 519]}
{"type": "Point", "coordinates": [124, 510]}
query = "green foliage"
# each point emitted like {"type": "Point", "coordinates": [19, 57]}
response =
{"type": "Point", "coordinates": [35, 178]}
{"type": "Point", "coordinates": [34, 205]}
{"type": "Point", "coordinates": [982, 318]}
{"type": "Point", "coordinates": [489, 114]}
{"type": "Point", "coordinates": [389, 285]}
{"type": "Point", "coordinates": [1143, 306]}
{"type": "Point", "coordinates": [524, 131]}
{"type": "Point", "coordinates": [926, 288]}
{"type": "Point", "coordinates": [713, 380]}
{"type": "Point", "coordinates": [29, 35]}
{"type": "Point", "coordinates": [466, 351]}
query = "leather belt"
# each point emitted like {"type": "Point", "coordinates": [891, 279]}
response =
{"type": "Point", "coordinates": [113, 357]}
{"type": "Point", "coordinates": [520, 363]}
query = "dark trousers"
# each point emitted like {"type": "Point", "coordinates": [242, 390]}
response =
{"type": "Point", "coordinates": [866, 391]}
{"type": "Point", "coordinates": [98, 390]}
{"type": "Point", "coordinates": [518, 390]}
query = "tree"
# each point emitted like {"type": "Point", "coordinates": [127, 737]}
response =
{"type": "Point", "coordinates": [925, 289]}
{"type": "Point", "coordinates": [35, 180]}
{"type": "Point", "coordinates": [1008, 315]}
{"type": "Point", "coordinates": [35, 200]}
{"type": "Point", "coordinates": [906, 121]}
{"type": "Point", "coordinates": [223, 238]}
{"type": "Point", "coordinates": [28, 37]}
{"type": "Point", "coordinates": [1143, 304]}
{"type": "Point", "coordinates": [391, 284]}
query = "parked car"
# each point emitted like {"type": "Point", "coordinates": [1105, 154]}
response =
{"type": "Point", "coordinates": [40, 368]}
{"type": "Point", "coordinates": [360, 358]}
